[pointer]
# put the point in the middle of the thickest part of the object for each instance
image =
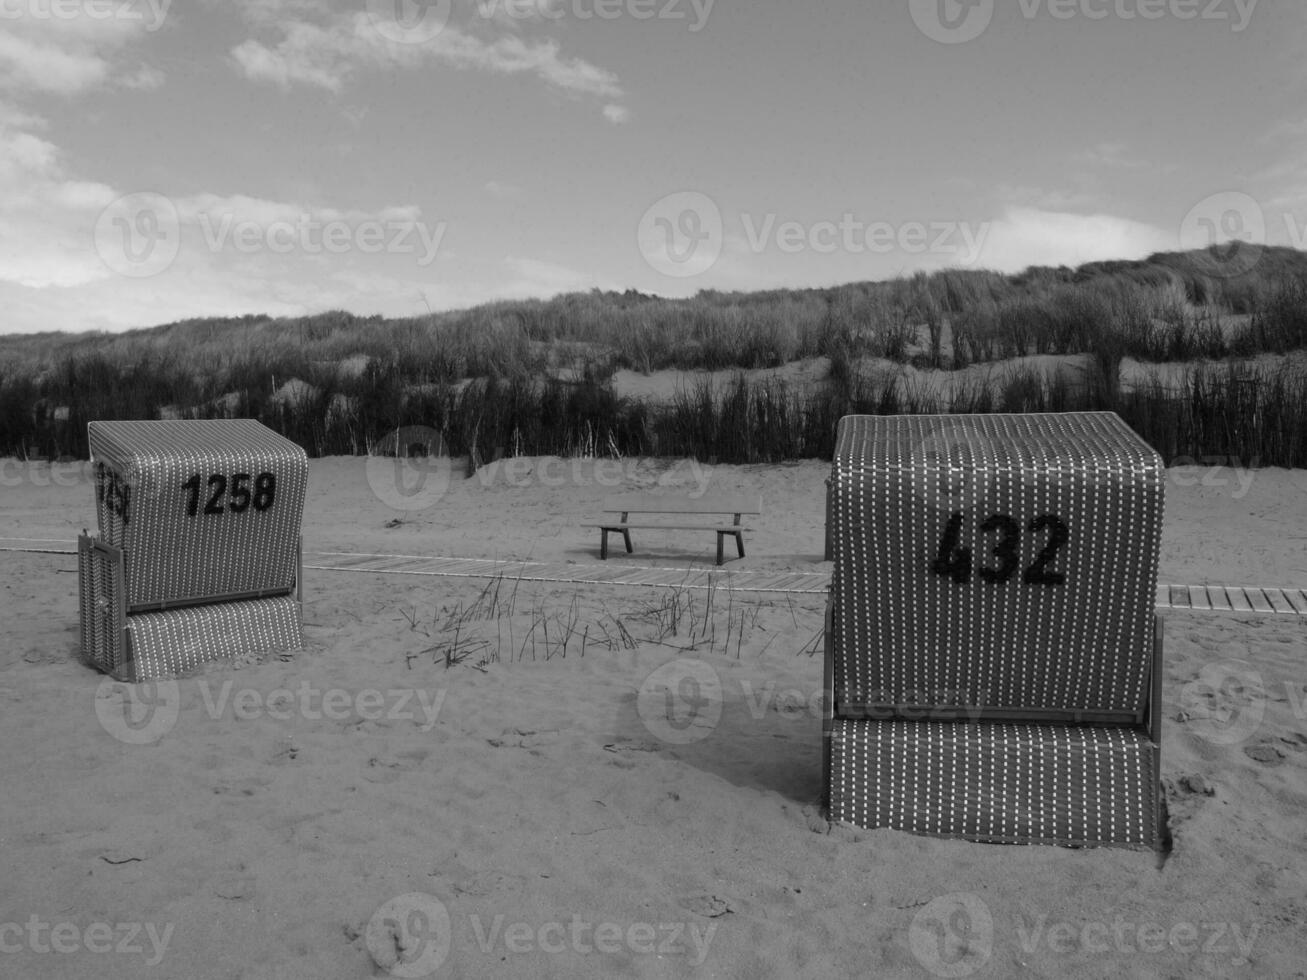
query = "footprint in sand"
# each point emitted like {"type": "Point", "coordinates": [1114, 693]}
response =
{"type": "Point", "coordinates": [1296, 741]}
{"type": "Point", "coordinates": [708, 906]}
{"type": "Point", "coordinates": [523, 738]}
{"type": "Point", "coordinates": [1265, 753]}
{"type": "Point", "coordinates": [387, 771]}
{"type": "Point", "coordinates": [489, 882]}
{"type": "Point", "coordinates": [235, 886]}
{"type": "Point", "coordinates": [1184, 796]}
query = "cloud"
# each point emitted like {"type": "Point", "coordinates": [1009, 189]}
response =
{"type": "Point", "coordinates": [616, 114]}
{"type": "Point", "coordinates": [537, 278]}
{"type": "Point", "coordinates": [327, 53]}
{"type": "Point", "coordinates": [1044, 199]}
{"type": "Point", "coordinates": [12, 117]}
{"type": "Point", "coordinates": [502, 190]}
{"type": "Point", "coordinates": [1282, 182]}
{"type": "Point", "coordinates": [57, 231]}
{"type": "Point", "coordinates": [46, 216]}
{"type": "Point", "coordinates": [1088, 178]}
{"type": "Point", "coordinates": [232, 254]}
{"type": "Point", "coordinates": [197, 286]}
{"type": "Point", "coordinates": [146, 78]}
{"type": "Point", "coordinates": [273, 11]}
{"type": "Point", "coordinates": [1117, 156]}
{"type": "Point", "coordinates": [44, 237]}
{"type": "Point", "coordinates": [291, 63]}
{"type": "Point", "coordinates": [35, 65]}
{"type": "Point", "coordinates": [70, 55]}
{"type": "Point", "coordinates": [1030, 236]}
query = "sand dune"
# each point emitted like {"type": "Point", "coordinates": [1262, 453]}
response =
{"type": "Point", "coordinates": [432, 739]}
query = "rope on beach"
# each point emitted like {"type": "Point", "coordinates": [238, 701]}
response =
{"type": "Point", "coordinates": [1196, 598]}
{"type": "Point", "coordinates": [608, 573]}
{"type": "Point", "coordinates": [24, 545]}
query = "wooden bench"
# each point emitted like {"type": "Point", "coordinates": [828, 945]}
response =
{"type": "Point", "coordinates": [716, 506]}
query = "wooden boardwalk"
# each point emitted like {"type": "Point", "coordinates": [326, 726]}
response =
{"type": "Point", "coordinates": [1233, 598]}
{"type": "Point", "coordinates": [1198, 598]}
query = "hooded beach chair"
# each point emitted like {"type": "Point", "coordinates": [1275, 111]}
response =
{"type": "Point", "coordinates": [993, 657]}
{"type": "Point", "coordinates": [198, 556]}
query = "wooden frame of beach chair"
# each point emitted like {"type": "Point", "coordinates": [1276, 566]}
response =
{"type": "Point", "coordinates": [135, 643]}
{"type": "Point", "coordinates": [199, 555]}
{"type": "Point", "coordinates": [1023, 709]}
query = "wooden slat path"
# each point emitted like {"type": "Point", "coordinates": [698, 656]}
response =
{"type": "Point", "coordinates": [1233, 598]}
{"type": "Point", "coordinates": [1297, 599]}
{"type": "Point", "coordinates": [1198, 598]}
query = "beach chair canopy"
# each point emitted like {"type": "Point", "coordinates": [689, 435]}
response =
{"type": "Point", "coordinates": [201, 509]}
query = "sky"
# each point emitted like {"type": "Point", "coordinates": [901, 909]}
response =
{"type": "Point", "coordinates": [165, 160]}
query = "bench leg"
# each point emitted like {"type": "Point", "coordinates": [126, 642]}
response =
{"type": "Point", "coordinates": [603, 541]}
{"type": "Point", "coordinates": [739, 542]}
{"type": "Point", "coordinates": [721, 536]}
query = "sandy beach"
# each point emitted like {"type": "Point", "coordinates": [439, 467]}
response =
{"type": "Point", "coordinates": [469, 778]}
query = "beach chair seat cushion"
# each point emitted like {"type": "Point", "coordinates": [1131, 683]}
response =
{"type": "Point", "coordinates": [1078, 785]}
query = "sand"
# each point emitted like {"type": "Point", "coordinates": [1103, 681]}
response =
{"type": "Point", "coordinates": [282, 812]}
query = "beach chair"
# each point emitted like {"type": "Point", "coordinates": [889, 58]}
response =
{"type": "Point", "coordinates": [993, 657]}
{"type": "Point", "coordinates": [198, 555]}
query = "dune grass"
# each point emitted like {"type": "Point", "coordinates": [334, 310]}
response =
{"type": "Point", "coordinates": [534, 377]}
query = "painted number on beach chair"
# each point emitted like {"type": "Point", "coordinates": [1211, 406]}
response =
{"type": "Point", "coordinates": [955, 562]}
{"type": "Point", "coordinates": [114, 493]}
{"type": "Point", "coordinates": [1038, 573]}
{"type": "Point", "coordinates": [235, 496]}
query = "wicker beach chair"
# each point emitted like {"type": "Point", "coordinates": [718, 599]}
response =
{"type": "Point", "coordinates": [198, 552]}
{"type": "Point", "coordinates": [992, 652]}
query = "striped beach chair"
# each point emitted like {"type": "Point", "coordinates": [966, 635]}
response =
{"type": "Point", "coordinates": [992, 652]}
{"type": "Point", "coordinates": [198, 555]}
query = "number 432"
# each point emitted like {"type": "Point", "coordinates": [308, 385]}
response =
{"type": "Point", "coordinates": [955, 562]}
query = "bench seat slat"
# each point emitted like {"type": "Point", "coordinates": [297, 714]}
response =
{"type": "Point", "coordinates": [726, 528]}
{"type": "Point", "coordinates": [671, 504]}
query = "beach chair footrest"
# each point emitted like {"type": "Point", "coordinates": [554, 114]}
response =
{"type": "Point", "coordinates": [174, 641]}
{"type": "Point", "coordinates": [1074, 785]}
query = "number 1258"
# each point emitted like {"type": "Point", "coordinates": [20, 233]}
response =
{"type": "Point", "coordinates": [236, 496]}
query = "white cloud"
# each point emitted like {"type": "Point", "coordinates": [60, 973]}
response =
{"type": "Point", "coordinates": [273, 11]}
{"type": "Point", "coordinates": [502, 190]}
{"type": "Point", "coordinates": [513, 14]}
{"type": "Point", "coordinates": [327, 53]}
{"type": "Point", "coordinates": [70, 55]}
{"type": "Point", "coordinates": [537, 278]}
{"type": "Point", "coordinates": [1117, 156]}
{"type": "Point", "coordinates": [15, 118]}
{"type": "Point", "coordinates": [237, 253]}
{"type": "Point", "coordinates": [35, 65]}
{"type": "Point", "coordinates": [47, 217]}
{"type": "Point", "coordinates": [44, 237]}
{"type": "Point", "coordinates": [616, 114]}
{"type": "Point", "coordinates": [1029, 236]}
{"type": "Point", "coordinates": [1044, 199]}
{"type": "Point", "coordinates": [145, 78]}
{"type": "Point", "coordinates": [286, 66]}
